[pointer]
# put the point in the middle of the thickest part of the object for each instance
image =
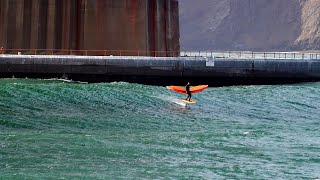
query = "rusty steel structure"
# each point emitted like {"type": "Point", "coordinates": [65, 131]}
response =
{"type": "Point", "coordinates": [144, 25]}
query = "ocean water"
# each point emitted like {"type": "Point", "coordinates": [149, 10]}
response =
{"type": "Point", "coordinates": [51, 129]}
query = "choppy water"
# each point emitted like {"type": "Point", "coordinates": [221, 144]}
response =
{"type": "Point", "coordinates": [54, 129]}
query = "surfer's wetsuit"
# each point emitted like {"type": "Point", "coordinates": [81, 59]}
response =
{"type": "Point", "coordinates": [188, 92]}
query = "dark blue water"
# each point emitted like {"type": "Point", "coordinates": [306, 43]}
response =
{"type": "Point", "coordinates": [53, 129]}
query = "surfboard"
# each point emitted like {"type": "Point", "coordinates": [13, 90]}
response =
{"type": "Point", "coordinates": [189, 102]}
{"type": "Point", "coordinates": [193, 89]}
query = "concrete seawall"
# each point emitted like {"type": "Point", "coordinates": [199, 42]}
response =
{"type": "Point", "coordinates": [160, 70]}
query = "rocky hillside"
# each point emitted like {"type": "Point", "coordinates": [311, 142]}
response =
{"type": "Point", "coordinates": [260, 25]}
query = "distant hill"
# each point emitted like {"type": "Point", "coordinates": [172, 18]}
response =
{"type": "Point", "coordinates": [260, 25]}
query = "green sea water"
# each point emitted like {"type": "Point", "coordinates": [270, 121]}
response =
{"type": "Point", "coordinates": [51, 129]}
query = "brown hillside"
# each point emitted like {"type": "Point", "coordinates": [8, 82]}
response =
{"type": "Point", "coordinates": [250, 24]}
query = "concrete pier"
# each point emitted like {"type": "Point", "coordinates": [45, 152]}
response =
{"type": "Point", "coordinates": [161, 70]}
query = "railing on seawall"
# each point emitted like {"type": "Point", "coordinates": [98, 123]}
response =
{"type": "Point", "coordinates": [252, 55]}
{"type": "Point", "coordinates": [213, 54]}
{"type": "Point", "coordinates": [92, 52]}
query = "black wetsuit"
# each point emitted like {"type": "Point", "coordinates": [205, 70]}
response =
{"type": "Point", "coordinates": [188, 92]}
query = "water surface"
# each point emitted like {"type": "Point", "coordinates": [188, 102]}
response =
{"type": "Point", "coordinates": [56, 129]}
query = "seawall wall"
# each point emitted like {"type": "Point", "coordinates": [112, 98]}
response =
{"type": "Point", "coordinates": [160, 70]}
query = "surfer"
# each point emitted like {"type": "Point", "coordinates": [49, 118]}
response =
{"type": "Point", "coordinates": [188, 92]}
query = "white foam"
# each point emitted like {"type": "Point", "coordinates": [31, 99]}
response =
{"type": "Point", "coordinates": [173, 100]}
{"type": "Point", "coordinates": [64, 80]}
{"type": "Point", "coordinates": [179, 102]}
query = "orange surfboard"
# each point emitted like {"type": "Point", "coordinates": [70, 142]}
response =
{"type": "Point", "coordinates": [193, 89]}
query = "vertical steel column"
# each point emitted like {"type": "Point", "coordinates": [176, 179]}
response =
{"type": "Point", "coordinates": [58, 21]}
{"type": "Point", "coordinates": [3, 22]}
{"type": "Point", "coordinates": [169, 28]}
{"type": "Point", "coordinates": [27, 16]}
{"type": "Point", "coordinates": [151, 26]}
{"type": "Point", "coordinates": [19, 25]}
{"type": "Point", "coordinates": [166, 26]}
{"type": "Point", "coordinates": [132, 19]}
{"type": "Point", "coordinates": [160, 30]}
{"type": "Point", "coordinates": [66, 24]}
{"type": "Point", "coordinates": [11, 26]}
{"type": "Point", "coordinates": [43, 24]}
{"type": "Point", "coordinates": [80, 24]}
{"type": "Point", "coordinates": [35, 24]}
{"type": "Point", "coordinates": [101, 36]}
{"type": "Point", "coordinates": [89, 25]}
{"type": "Point", "coordinates": [175, 27]}
{"type": "Point", "coordinates": [147, 27]}
{"type": "Point", "coordinates": [51, 24]}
